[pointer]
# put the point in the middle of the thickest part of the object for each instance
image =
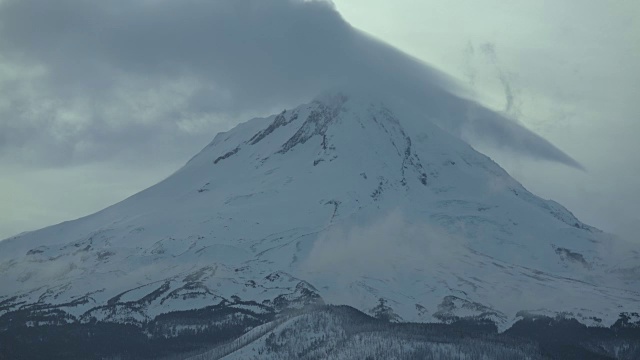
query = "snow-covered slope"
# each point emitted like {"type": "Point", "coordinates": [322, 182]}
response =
{"type": "Point", "coordinates": [341, 333]}
{"type": "Point", "coordinates": [341, 201]}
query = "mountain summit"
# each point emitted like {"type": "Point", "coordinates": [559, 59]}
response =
{"type": "Point", "coordinates": [340, 201]}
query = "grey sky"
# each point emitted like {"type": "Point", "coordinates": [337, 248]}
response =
{"type": "Point", "coordinates": [101, 99]}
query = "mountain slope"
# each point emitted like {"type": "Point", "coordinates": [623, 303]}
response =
{"type": "Point", "coordinates": [339, 201]}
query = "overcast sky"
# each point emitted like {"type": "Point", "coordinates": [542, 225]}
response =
{"type": "Point", "coordinates": [99, 100]}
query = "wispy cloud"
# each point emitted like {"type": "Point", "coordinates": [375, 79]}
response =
{"type": "Point", "coordinates": [378, 247]}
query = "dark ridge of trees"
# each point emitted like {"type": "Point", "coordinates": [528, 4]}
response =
{"type": "Point", "coordinates": [215, 331]}
{"type": "Point", "coordinates": [168, 334]}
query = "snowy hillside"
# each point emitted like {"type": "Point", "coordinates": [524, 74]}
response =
{"type": "Point", "coordinates": [341, 201]}
{"type": "Point", "coordinates": [344, 333]}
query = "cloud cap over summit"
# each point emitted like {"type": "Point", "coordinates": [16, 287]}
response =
{"type": "Point", "coordinates": [92, 81]}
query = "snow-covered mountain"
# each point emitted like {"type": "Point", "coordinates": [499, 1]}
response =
{"type": "Point", "coordinates": [345, 200]}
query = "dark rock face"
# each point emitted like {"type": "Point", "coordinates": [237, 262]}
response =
{"type": "Point", "coordinates": [227, 155]}
{"type": "Point", "coordinates": [451, 304]}
{"type": "Point", "coordinates": [316, 124]}
{"type": "Point", "coordinates": [280, 121]}
{"type": "Point", "coordinates": [568, 255]}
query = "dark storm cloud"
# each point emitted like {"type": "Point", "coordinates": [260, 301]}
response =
{"type": "Point", "coordinates": [88, 80]}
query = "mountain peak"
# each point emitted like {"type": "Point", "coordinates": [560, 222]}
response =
{"type": "Point", "coordinates": [343, 200]}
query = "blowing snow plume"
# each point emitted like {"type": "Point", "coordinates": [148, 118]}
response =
{"type": "Point", "coordinates": [100, 76]}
